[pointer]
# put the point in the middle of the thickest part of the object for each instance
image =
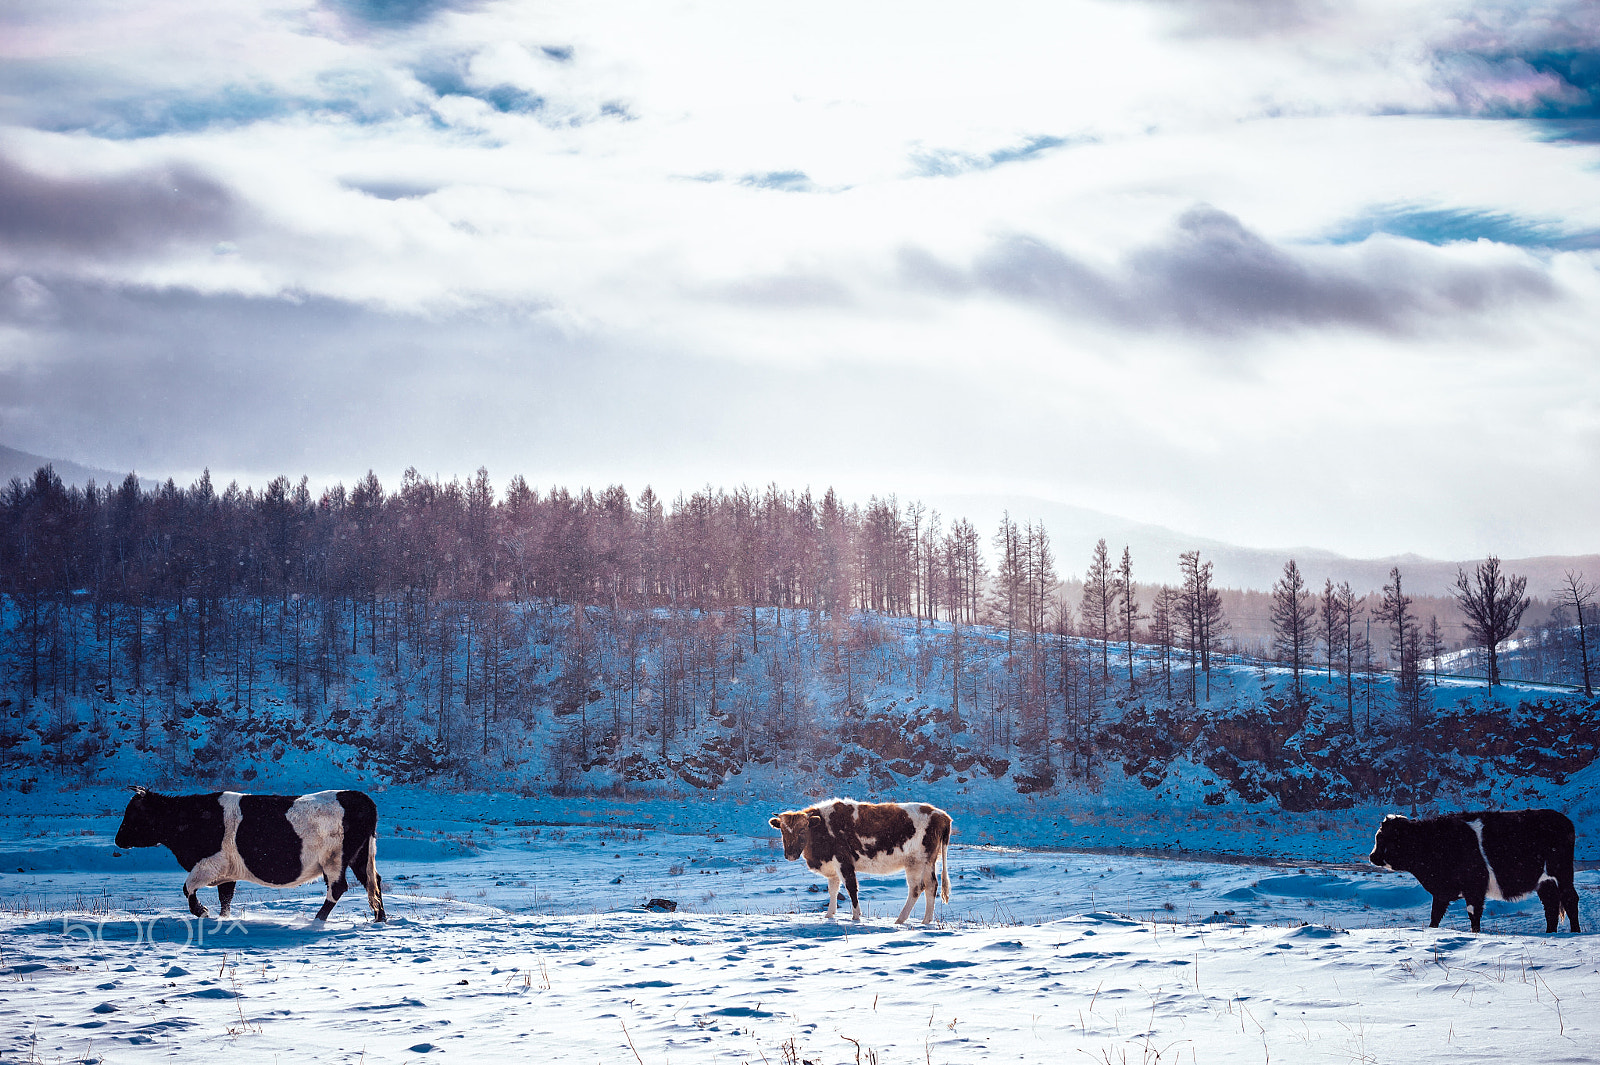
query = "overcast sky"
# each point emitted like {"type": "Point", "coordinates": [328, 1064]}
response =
{"type": "Point", "coordinates": [1275, 272]}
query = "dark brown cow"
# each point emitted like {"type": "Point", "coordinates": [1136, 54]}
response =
{"type": "Point", "coordinates": [1485, 854]}
{"type": "Point", "coordinates": [842, 837]}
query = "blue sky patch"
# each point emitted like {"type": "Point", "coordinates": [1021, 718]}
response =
{"type": "Point", "coordinates": [1571, 130]}
{"type": "Point", "coordinates": [940, 162]}
{"type": "Point", "coordinates": [782, 180]}
{"type": "Point", "coordinates": [505, 98]}
{"type": "Point", "coordinates": [393, 12]}
{"type": "Point", "coordinates": [1449, 226]}
{"type": "Point", "coordinates": [132, 118]}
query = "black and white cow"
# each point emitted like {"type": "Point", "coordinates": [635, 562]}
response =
{"type": "Point", "coordinates": [841, 837]}
{"type": "Point", "coordinates": [1496, 854]}
{"type": "Point", "coordinates": [276, 840]}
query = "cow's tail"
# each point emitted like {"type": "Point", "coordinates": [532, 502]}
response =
{"type": "Point", "coordinates": [374, 881]}
{"type": "Point", "coordinates": [944, 855]}
{"type": "Point", "coordinates": [361, 845]}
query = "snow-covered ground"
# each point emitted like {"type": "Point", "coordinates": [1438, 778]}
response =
{"type": "Point", "coordinates": [537, 945]}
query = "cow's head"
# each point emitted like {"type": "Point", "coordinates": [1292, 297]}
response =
{"type": "Point", "coordinates": [141, 821]}
{"type": "Point", "coordinates": [796, 828]}
{"type": "Point", "coordinates": [1392, 845]}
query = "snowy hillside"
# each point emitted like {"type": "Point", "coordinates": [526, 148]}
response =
{"type": "Point", "coordinates": [1040, 741]}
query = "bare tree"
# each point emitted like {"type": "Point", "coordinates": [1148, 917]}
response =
{"type": "Point", "coordinates": [1433, 645]}
{"type": "Point", "coordinates": [915, 512]}
{"type": "Point", "coordinates": [1041, 576]}
{"type": "Point", "coordinates": [1493, 603]}
{"type": "Point", "coordinates": [1577, 593]}
{"type": "Point", "coordinates": [931, 564]}
{"type": "Point", "coordinates": [1075, 677]}
{"type": "Point", "coordinates": [955, 672]}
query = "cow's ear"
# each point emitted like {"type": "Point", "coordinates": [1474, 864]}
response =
{"type": "Point", "coordinates": [775, 823]}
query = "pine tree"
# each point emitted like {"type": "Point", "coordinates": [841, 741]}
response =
{"type": "Point", "coordinates": [1405, 646]}
{"type": "Point", "coordinates": [1128, 610]}
{"type": "Point", "coordinates": [1161, 630]}
{"type": "Point", "coordinates": [1330, 624]}
{"type": "Point", "coordinates": [1098, 607]}
{"type": "Point", "coordinates": [1293, 614]}
{"type": "Point", "coordinates": [1352, 642]}
{"type": "Point", "coordinates": [1011, 577]}
{"type": "Point", "coordinates": [1201, 620]}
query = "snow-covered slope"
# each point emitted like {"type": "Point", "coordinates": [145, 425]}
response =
{"type": "Point", "coordinates": [1252, 771]}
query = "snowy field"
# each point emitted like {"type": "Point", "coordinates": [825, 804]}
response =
{"type": "Point", "coordinates": [537, 946]}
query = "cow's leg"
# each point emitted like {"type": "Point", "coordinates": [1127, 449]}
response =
{"type": "Point", "coordinates": [930, 889]}
{"type": "Point", "coordinates": [366, 871]}
{"type": "Point", "coordinates": [914, 886]}
{"type": "Point", "coordinates": [1475, 909]}
{"type": "Point", "coordinates": [225, 896]}
{"type": "Point", "coordinates": [206, 872]}
{"type": "Point", "coordinates": [1569, 902]}
{"type": "Point", "coordinates": [855, 897]}
{"type": "Point", "coordinates": [1441, 903]}
{"type": "Point", "coordinates": [1550, 895]}
{"type": "Point", "coordinates": [336, 887]}
{"type": "Point", "coordinates": [833, 895]}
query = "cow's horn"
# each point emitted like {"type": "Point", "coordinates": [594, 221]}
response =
{"type": "Point", "coordinates": [138, 789]}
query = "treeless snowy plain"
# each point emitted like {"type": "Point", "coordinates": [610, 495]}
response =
{"type": "Point", "coordinates": [538, 947]}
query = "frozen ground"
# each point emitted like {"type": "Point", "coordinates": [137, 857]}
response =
{"type": "Point", "coordinates": [536, 946]}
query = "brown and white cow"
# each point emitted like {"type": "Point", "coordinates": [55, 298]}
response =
{"type": "Point", "coordinates": [841, 837]}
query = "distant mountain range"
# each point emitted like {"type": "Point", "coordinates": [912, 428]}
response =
{"type": "Point", "coordinates": [1155, 549]}
{"type": "Point", "coordinates": [1074, 530]}
{"type": "Point", "coordinates": [23, 464]}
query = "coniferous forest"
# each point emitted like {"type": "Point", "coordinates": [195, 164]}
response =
{"type": "Point", "coordinates": [579, 641]}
